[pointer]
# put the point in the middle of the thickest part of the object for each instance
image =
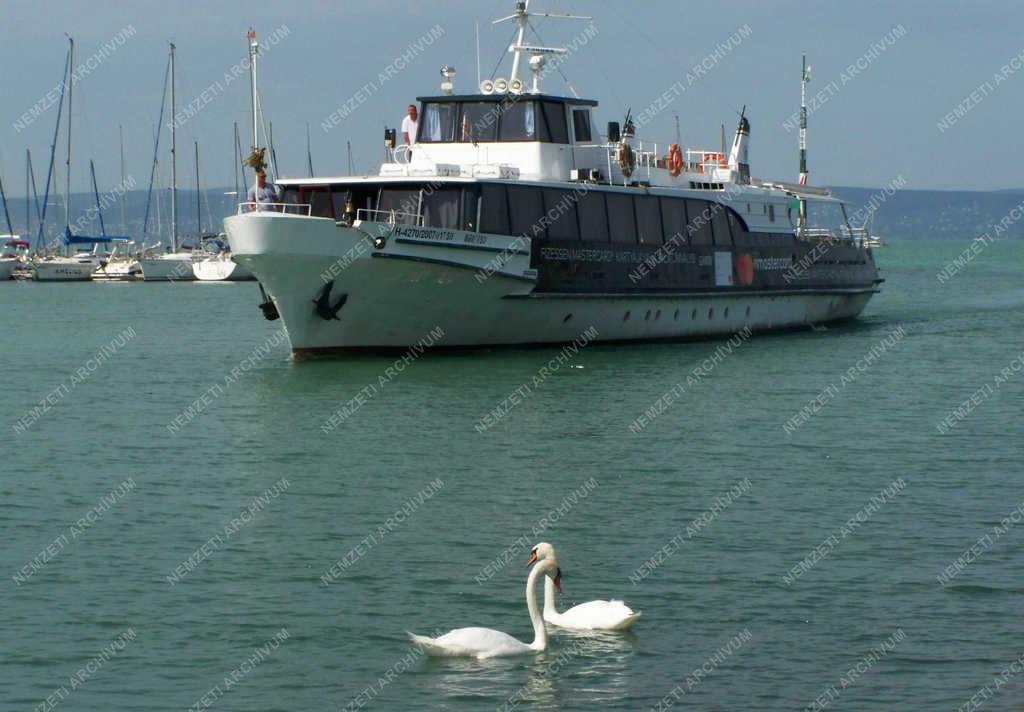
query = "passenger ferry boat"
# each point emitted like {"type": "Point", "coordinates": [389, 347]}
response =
{"type": "Point", "coordinates": [513, 222]}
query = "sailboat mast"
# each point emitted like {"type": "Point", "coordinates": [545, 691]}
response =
{"type": "Point", "coordinates": [67, 163]}
{"type": "Point", "coordinates": [309, 154]}
{"type": "Point", "coordinates": [199, 210]}
{"type": "Point", "coordinates": [35, 191]}
{"type": "Point", "coordinates": [124, 229]}
{"type": "Point", "coordinates": [174, 167]}
{"type": "Point", "coordinates": [7, 214]}
{"type": "Point", "coordinates": [96, 193]}
{"type": "Point", "coordinates": [238, 158]}
{"type": "Point", "coordinates": [28, 192]}
{"type": "Point", "coordinates": [270, 145]}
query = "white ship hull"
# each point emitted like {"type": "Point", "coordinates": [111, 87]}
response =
{"type": "Point", "coordinates": [6, 267]}
{"type": "Point", "coordinates": [221, 269]}
{"type": "Point", "coordinates": [63, 270]}
{"type": "Point", "coordinates": [174, 267]}
{"type": "Point", "coordinates": [483, 296]}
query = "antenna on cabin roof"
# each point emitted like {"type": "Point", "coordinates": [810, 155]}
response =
{"type": "Point", "coordinates": [805, 78]}
{"type": "Point", "coordinates": [537, 53]}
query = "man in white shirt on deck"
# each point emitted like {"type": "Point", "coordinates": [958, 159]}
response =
{"type": "Point", "coordinates": [409, 127]}
{"type": "Point", "coordinates": [261, 196]}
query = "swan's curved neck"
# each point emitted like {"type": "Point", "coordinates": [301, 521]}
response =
{"type": "Point", "coordinates": [549, 597]}
{"type": "Point", "coordinates": [540, 635]}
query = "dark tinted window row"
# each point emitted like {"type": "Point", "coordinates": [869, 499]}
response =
{"type": "Point", "coordinates": [552, 213]}
{"type": "Point", "coordinates": [496, 120]}
{"type": "Point", "coordinates": [599, 216]}
{"type": "Point", "coordinates": [449, 206]}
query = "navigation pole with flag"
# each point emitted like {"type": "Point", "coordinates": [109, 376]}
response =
{"type": "Point", "coordinates": [805, 77]}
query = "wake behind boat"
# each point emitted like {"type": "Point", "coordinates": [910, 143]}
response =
{"type": "Point", "coordinates": [515, 223]}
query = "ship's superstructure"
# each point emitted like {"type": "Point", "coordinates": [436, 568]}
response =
{"type": "Point", "coordinates": [512, 220]}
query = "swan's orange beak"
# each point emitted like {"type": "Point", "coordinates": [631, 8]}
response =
{"type": "Point", "coordinates": [533, 559]}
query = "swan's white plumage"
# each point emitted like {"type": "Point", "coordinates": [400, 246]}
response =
{"type": "Point", "coordinates": [592, 615]}
{"type": "Point", "coordinates": [471, 642]}
{"type": "Point", "coordinates": [488, 643]}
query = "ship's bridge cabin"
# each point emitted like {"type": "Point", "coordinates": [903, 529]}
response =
{"type": "Point", "coordinates": [526, 136]}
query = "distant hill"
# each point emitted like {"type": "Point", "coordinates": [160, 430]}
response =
{"type": "Point", "coordinates": [938, 214]}
{"type": "Point", "coordinates": [906, 214]}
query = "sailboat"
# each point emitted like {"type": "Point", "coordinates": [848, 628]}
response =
{"type": "Point", "coordinates": [12, 247]}
{"type": "Point", "coordinates": [119, 268]}
{"type": "Point", "coordinates": [80, 267]}
{"type": "Point", "coordinates": [174, 265]}
{"type": "Point", "coordinates": [220, 267]}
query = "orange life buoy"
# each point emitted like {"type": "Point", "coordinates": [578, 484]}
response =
{"type": "Point", "coordinates": [674, 160]}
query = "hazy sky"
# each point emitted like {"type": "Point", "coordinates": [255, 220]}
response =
{"type": "Point", "coordinates": [875, 123]}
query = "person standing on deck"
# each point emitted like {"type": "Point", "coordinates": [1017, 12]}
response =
{"type": "Point", "coordinates": [261, 196]}
{"type": "Point", "coordinates": [409, 123]}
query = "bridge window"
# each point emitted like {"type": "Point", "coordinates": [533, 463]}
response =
{"type": "Point", "coordinates": [518, 122]}
{"type": "Point", "coordinates": [581, 125]}
{"type": "Point", "coordinates": [438, 123]}
{"type": "Point", "coordinates": [498, 119]}
{"type": "Point", "coordinates": [478, 122]}
{"type": "Point", "coordinates": [555, 129]}
{"type": "Point", "coordinates": [593, 219]}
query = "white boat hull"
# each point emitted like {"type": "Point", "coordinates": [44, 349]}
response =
{"type": "Point", "coordinates": [221, 269]}
{"type": "Point", "coordinates": [6, 267]}
{"type": "Point", "coordinates": [167, 268]}
{"type": "Point", "coordinates": [61, 270]}
{"type": "Point", "coordinates": [399, 295]}
{"type": "Point", "coordinates": [118, 271]}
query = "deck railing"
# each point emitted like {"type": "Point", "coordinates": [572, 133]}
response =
{"type": "Point", "coordinates": [286, 208]}
{"type": "Point", "coordinates": [390, 217]}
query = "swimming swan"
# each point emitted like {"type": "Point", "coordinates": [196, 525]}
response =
{"type": "Point", "coordinates": [485, 643]}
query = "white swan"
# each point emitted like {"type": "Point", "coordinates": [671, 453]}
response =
{"type": "Point", "coordinates": [592, 615]}
{"type": "Point", "coordinates": [488, 643]}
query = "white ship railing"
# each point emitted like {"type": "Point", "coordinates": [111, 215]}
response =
{"type": "Point", "coordinates": [287, 208]}
{"type": "Point", "coordinates": [390, 217]}
{"type": "Point", "coordinates": [854, 234]}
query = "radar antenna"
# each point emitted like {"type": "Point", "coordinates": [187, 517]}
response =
{"type": "Point", "coordinates": [522, 17]}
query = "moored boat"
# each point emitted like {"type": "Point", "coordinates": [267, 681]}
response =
{"type": "Point", "coordinates": [221, 268]}
{"type": "Point", "coordinates": [64, 269]}
{"type": "Point", "coordinates": [13, 254]}
{"type": "Point", "coordinates": [170, 267]}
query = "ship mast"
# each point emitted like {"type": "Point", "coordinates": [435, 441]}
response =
{"type": "Point", "coordinates": [253, 51]}
{"type": "Point", "coordinates": [522, 17]}
{"type": "Point", "coordinates": [805, 77]}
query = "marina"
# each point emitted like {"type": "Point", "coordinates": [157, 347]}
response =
{"type": "Point", "coordinates": [544, 355]}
